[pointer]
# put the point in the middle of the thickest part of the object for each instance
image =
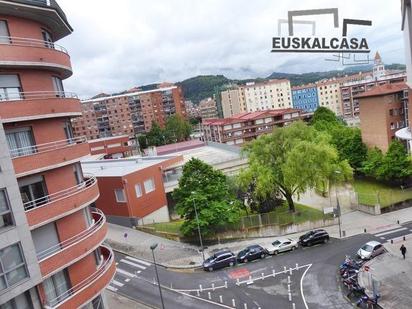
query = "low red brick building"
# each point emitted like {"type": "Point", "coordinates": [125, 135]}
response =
{"type": "Point", "coordinates": [131, 190]}
{"type": "Point", "coordinates": [111, 147]}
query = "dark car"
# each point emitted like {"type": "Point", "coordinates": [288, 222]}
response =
{"type": "Point", "coordinates": [219, 259]}
{"type": "Point", "coordinates": [251, 253]}
{"type": "Point", "coordinates": [314, 237]}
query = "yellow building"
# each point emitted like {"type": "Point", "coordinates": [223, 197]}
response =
{"type": "Point", "coordinates": [233, 101]}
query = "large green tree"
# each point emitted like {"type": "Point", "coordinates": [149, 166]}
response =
{"type": "Point", "coordinates": [155, 137]}
{"type": "Point", "coordinates": [291, 160]}
{"type": "Point", "coordinates": [177, 129]}
{"type": "Point", "coordinates": [208, 190]}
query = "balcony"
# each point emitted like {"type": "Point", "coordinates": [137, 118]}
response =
{"type": "Point", "coordinates": [75, 248]}
{"type": "Point", "coordinates": [42, 157]}
{"type": "Point", "coordinates": [59, 204]}
{"type": "Point", "coordinates": [26, 53]}
{"type": "Point", "coordinates": [85, 290]}
{"type": "Point", "coordinates": [23, 106]}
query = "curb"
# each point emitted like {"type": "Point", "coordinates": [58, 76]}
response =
{"type": "Point", "coordinates": [130, 298]}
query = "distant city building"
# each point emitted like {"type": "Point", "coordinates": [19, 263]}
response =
{"type": "Point", "coordinates": [192, 110]}
{"type": "Point", "coordinates": [130, 113]}
{"type": "Point", "coordinates": [233, 101]}
{"type": "Point", "coordinates": [360, 83]}
{"type": "Point", "coordinates": [271, 94]}
{"type": "Point", "coordinates": [329, 95]}
{"type": "Point", "coordinates": [382, 113]}
{"type": "Point", "coordinates": [305, 97]}
{"type": "Point", "coordinates": [247, 126]}
{"type": "Point", "coordinates": [208, 108]}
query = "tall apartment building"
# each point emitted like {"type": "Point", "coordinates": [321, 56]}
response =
{"type": "Point", "coordinates": [272, 94]}
{"type": "Point", "coordinates": [208, 109]}
{"type": "Point", "coordinates": [360, 83]}
{"type": "Point", "coordinates": [382, 114]}
{"type": "Point", "coordinates": [51, 244]}
{"type": "Point", "coordinates": [329, 95]}
{"type": "Point", "coordinates": [305, 97]}
{"type": "Point", "coordinates": [233, 101]}
{"type": "Point", "coordinates": [247, 126]}
{"type": "Point", "coordinates": [130, 113]}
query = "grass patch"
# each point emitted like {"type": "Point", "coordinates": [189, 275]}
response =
{"type": "Point", "coordinates": [303, 213]}
{"type": "Point", "coordinates": [167, 227]}
{"type": "Point", "coordinates": [370, 191]}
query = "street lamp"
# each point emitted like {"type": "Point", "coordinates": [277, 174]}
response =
{"type": "Point", "coordinates": [153, 247]}
{"type": "Point", "coordinates": [198, 229]}
{"type": "Point", "coordinates": [338, 206]}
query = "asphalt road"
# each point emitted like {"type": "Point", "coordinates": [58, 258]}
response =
{"type": "Point", "coordinates": [302, 279]}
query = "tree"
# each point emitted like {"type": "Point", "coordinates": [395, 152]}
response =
{"type": "Point", "coordinates": [324, 115]}
{"type": "Point", "coordinates": [291, 160]}
{"type": "Point", "coordinates": [373, 163]}
{"type": "Point", "coordinates": [396, 164]}
{"type": "Point", "coordinates": [155, 137]}
{"type": "Point", "coordinates": [142, 140]}
{"type": "Point", "coordinates": [177, 129]}
{"type": "Point", "coordinates": [207, 188]}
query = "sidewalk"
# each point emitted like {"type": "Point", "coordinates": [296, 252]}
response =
{"type": "Point", "coordinates": [394, 276]}
{"type": "Point", "coordinates": [174, 254]}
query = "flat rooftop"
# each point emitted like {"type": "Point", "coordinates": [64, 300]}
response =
{"type": "Point", "coordinates": [107, 138]}
{"type": "Point", "coordinates": [120, 167]}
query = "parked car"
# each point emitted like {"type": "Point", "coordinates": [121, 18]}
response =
{"type": "Point", "coordinates": [282, 245]}
{"type": "Point", "coordinates": [314, 237]}
{"type": "Point", "coordinates": [370, 250]}
{"type": "Point", "coordinates": [251, 253]}
{"type": "Point", "coordinates": [220, 259]}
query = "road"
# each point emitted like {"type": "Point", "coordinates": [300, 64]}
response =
{"type": "Point", "coordinates": [302, 279]}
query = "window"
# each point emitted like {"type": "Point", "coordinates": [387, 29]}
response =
{"type": "Point", "coordinates": [10, 88]}
{"type": "Point", "coordinates": [138, 189]}
{"type": "Point", "coordinates": [33, 191]}
{"type": "Point", "coordinates": [23, 301]}
{"type": "Point", "coordinates": [68, 131]}
{"type": "Point", "coordinates": [45, 240]}
{"type": "Point", "coordinates": [56, 287]}
{"type": "Point", "coordinates": [149, 185]}
{"type": "Point", "coordinates": [78, 173]}
{"type": "Point", "coordinates": [58, 86]}
{"type": "Point", "coordinates": [12, 266]}
{"type": "Point", "coordinates": [20, 141]}
{"type": "Point", "coordinates": [47, 38]}
{"type": "Point", "coordinates": [120, 196]}
{"type": "Point", "coordinates": [6, 218]}
{"type": "Point", "coordinates": [4, 32]}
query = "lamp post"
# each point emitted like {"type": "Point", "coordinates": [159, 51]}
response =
{"type": "Point", "coordinates": [338, 206]}
{"type": "Point", "coordinates": [198, 229]}
{"type": "Point", "coordinates": [153, 247]}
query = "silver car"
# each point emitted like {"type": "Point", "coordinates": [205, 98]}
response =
{"type": "Point", "coordinates": [282, 245]}
{"type": "Point", "coordinates": [370, 250]}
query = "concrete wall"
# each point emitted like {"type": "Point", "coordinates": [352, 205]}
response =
{"type": "Point", "coordinates": [20, 232]}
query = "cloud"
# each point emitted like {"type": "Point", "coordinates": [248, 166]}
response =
{"type": "Point", "coordinates": [118, 45]}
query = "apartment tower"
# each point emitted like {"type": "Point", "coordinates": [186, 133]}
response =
{"type": "Point", "coordinates": [51, 240]}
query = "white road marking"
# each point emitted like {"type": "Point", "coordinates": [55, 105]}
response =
{"type": "Point", "coordinates": [132, 264]}
{"type": "Point", "coordinates": [109, 287]}
{"type": "Point", "coordinates": [123, 272]}
{"type": "Point", "coordinates": [382, 237]}
{"type": "Point", "coordinates": [127, 280]}
{"type": "Point", "coordinates": [301, 287]}
{"type": "Point", "coordinates": [119, 284]}
{"type": "Point", "coordinates": [138, 261]}
{"type": "Point", "coordinates": [396, 239]}
{"type": "Point", "coordinates": [391, 231]}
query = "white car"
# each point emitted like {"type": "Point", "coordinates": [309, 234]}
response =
{"type": "Point", "coordinates": [282, 245]}
{"type": "Point", "coordinates": [370, 250]}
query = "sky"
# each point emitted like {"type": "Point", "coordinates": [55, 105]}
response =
{"type": "Point", "coordinates": [117, 45]}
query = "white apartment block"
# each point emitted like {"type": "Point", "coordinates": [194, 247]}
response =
{"type": "Point", "coordinates": [273, 94]}
{"type": "Point", "coordinates": [329, 95]}
{"type": "Point", "coordinates": [233, 101]}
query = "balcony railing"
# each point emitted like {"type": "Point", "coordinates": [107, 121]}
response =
{"type": "Point", "coordinates": [17, 41]}
{"type": "Point", "coordinates": [51, 198]}
{"type": "Point", "coordinates": [97, 224]}
{"type": "Point", "coordinates": [35, 95]}
{"type": "Point", "coordinates": [40, 148]}
{"type": "Point", "coordinates": [108, 260]}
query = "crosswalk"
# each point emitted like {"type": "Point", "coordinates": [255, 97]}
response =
{"type": "Point", "coordinates": [395, 234]}
{"type": "Point", "coordinates": [127, 268]}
